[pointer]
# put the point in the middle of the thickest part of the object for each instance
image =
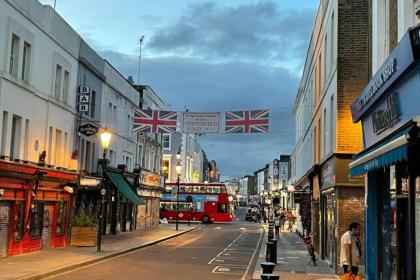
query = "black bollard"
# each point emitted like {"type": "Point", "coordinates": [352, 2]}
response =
{"type": "Point", "coordinates": [270, 277]}
{"type": "Point", "coordinates": [267, 267]}
{"type": "Point", "coordinates": [268, 247]}
{"type": "Point", "coordinates": [273, 252]}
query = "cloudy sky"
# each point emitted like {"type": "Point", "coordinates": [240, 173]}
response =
{"type": "Point", "coordinates": [211, 56]}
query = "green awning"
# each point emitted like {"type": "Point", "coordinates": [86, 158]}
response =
{"type": "Point", "coordinates": [122, 184]}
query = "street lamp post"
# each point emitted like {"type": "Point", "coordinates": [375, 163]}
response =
{"type": "Point", "coordinates": [105, 139]}
{"type": "Point", "coordinates": [178, 171]}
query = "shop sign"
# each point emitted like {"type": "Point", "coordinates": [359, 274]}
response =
{"type": "Point", "coordinates": [396, 109]}
{"type": "Point", "coordinates": [149, 179]}
{"type": "Point", "coordinates": [328, 174]}
{"type": "Point", "coordinates": [400, 59]}
{"type": "Point", "coordinates": [200, 122]}
{"type": "Point", "coordinates": [196, 177]}
{"type": "Point", "coordinates": [88, 129]}
{"type": "Point", "coordinates": [89, 182]}
{"type": "Point", "coordinates": [386, 116]}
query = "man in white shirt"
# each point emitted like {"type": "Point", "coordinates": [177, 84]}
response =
{"type": "Point", "coordinates": [350, 252]}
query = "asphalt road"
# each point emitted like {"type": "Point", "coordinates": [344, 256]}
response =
{"type": "Point", "coordinates": [215, 251]}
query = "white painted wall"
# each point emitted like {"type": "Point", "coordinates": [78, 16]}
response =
{"type": "Point", "coordinates": [52, 42]}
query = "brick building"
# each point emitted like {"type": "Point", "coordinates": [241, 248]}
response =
{"type": "Point", "coordinates": [336, 69]}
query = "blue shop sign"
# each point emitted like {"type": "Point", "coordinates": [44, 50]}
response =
{"type": "Point", "coordinates": [401, 60]}
{"type": "Point", "coordinates": [392, 96]}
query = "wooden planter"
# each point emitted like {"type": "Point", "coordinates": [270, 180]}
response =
{"type": "Point", "coordinates": [83, 236]}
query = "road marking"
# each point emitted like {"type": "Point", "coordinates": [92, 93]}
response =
{"type": "Point", "coordinates": [253, 255]}
{"type": "Point", "coordinates": [217, 228]}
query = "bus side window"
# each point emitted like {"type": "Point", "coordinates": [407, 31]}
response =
{"type": "Point", "coordinates": [222, 190]}
{"type": "Point", "coordinates": [195, 190]}
{"type": "Point", "coordinates": [182, 189]}
{"type": "Point", "coordinates": [202, 189]}
{"type": "Point", "coordinates": [216, 189]}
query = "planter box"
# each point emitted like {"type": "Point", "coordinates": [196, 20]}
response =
{"type": "Point", "coordinates": [83, 236]}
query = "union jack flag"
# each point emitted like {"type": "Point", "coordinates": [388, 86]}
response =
{"type": "Point", "coordinates": [154, 121]}
{"type": "Point", "coordinates": [252, 121]}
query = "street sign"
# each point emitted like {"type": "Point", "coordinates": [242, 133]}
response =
{"type": "Point", "coordinates": [88, 129]}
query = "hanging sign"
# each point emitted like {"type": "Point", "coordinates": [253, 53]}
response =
{"type": "Point", "coordinates": [200, 122]}
{"type": "Point", "coordinates": [88, 129]}
{"type": "Point", "coordinates": [149, 179]}
{"type": "Point", "coordinates": [196, 177]}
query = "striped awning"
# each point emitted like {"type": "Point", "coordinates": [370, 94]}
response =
{"type": "Point", "coordinates": [392, 150]}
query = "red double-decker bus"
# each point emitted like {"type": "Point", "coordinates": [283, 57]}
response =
{"type": "Point", "coordinates": [197, 202]}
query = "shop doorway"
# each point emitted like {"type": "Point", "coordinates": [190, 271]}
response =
{"type": "Point", "coordinates": [4, 227]}
{"type": "Point", "coordinates": [47, 225]}
{"type": "Point", "coordinates": [329, 228]}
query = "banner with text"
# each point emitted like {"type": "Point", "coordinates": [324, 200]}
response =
{"type": "Point", "coordinates": [200, 122]}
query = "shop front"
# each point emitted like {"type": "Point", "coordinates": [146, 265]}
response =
{"type": "Point", "coordinates": [121, 200]}
{"type": "Point", "coordinates": [150, 187]}
{"type": "Point", "coordinates": [389, 110]}
{"type": "Point", "coordinates": [34, 208]}
{"type": "Point", "coordinates": [341, 203]}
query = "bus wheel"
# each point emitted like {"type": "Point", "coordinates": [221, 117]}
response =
{"type": "Point", "coordinates": [205, 219]}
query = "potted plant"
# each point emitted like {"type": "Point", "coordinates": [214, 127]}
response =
{"type": "Point", "coordinates": [83, 231]}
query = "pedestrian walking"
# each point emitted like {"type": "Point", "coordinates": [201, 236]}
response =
{"type": "Point", "coordinates": [351, 250]}
{"type": "Point", "coordinates": [277, 222]}
{"type": "Point", "coordinates": [291, 221]}
{"type": "Point", "coordinates": [282, 218]}
{"type": "Point", "coordinates": [264, 215]}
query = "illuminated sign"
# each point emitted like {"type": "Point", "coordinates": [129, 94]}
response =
{"type": "Point", "coordinates": [149, 179]}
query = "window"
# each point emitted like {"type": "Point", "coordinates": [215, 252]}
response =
{"type": "Point", "coordinates": [4, 133]}
{"type": "Point", "coordinates": [332, 42]}
{"type": "Point", "coordinates": [109, 115]}
{"type": "Point", "coordinates": [140, 156]}
{"type": "Point", "coordinates": [61, 215]}
{"type": "Point", "coordinates": [15, 141]}
{"type": "Point", "coordinates": [326, 62]}
{"type": "Point", "coordinates": [36, 219]}
{"type": "Point", "coordinates": [57, 85]}
{"type": "Point", "coordinates": [92, 104]}
{"type": "Point", "coordinates": [222, 208]}
{"type": "Point", "coordinates": [18, 220]}
{"type": "Point", "coordinates": [66, 86]}
{"type": "Point", "coordinates": [326, 132]}
{"type": "Point", "coordinates": [50, 141]}
{"type": "Point", "coordinates": [14, 55]}
{"type": "Point", "coordinates": [58, 147]}
{"type": "Point", "coordinates": [166, 141]}
{"type": "Point", "coordinates": [26, 61]}
{"type": "Point", "coordinates": [26, 139]}
{"type": "Point", "coordinates": [332, 144]}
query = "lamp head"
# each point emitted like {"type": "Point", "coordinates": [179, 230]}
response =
{"type": "Point", "coordinates": [178, 169]}
{"type": "Point", "coordinates": [105, 139]}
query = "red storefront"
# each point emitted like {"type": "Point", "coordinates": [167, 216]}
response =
{"type": "Point", "coordinates": [34, 207]}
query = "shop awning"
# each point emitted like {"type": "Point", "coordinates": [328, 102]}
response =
{"type": "Point", "coordinates": [122, 184]}
{"type": "Point", "coordinates": [389, 152]}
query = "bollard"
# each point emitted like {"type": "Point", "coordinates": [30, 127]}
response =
{"type": "Point", "coordinates": [268, 246]}
{"type": "Point", "coordinates": [273, 252]}
{"type": "Point", "coordinates": [267, 267]}
{"type": "Point", "coordinates": [270, 277]}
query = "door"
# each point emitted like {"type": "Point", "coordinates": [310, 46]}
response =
{"type": "Point", "coordinates": [4, 227]}
{"type": "Point", "coordinates": [47, 226]}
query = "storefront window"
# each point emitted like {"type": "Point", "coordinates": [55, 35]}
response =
{"type": "Point", "coordinates": [36, 219]}
{"type": "Point", "coordinates": [61, 214]}
{"type": "Point", "coordinates": [18, 220]}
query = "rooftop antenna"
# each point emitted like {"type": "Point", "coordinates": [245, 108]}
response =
{"type": "Point", "coordinates": [138, 70]}
{"type": "Point", "coordinates": [55, 1]}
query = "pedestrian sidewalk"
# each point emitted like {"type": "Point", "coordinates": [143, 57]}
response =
{"type": "Point", "coordinates": [292, 260]}
{"type": "Point", "coordinates": [41, 264]}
